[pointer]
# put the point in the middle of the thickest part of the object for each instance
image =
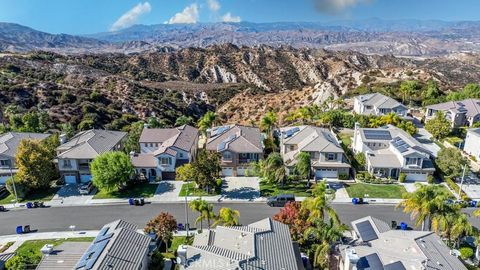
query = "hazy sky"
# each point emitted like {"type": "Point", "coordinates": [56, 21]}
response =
{"type": "Point", "coordinates": [91, 16]}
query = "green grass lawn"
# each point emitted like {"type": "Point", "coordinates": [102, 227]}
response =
{"type": "Point", "coordinates": [346, 138]}
{"type": "Point", "coordinates": [144, 190]}
{"type": "Point", "coordinates": [29, 251]}
{"type": "Point", "coordinates": [296, 188]}
{"type": "Point", "coordinates": [375, 191]}
{"type": "Point", "coordinates": [195, 192]}
{"type": "Point", "coordinates": [176, 242]}
{"type": "Point", "coordinates": [40, 195]}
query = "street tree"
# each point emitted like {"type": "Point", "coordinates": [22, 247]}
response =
{"type": "Point", "coordinates": [227, 217]}
{"type": "Point", "coordinates": [438, 126]}
{"type": "Point", "coordinates": [451, 161]}
{"type": "Point", "coordinates": [163, 225]}
{"type": "Point", "coordinates": [319, 205]}
{"type": "Point", "coordinates": [111, 170]}
{"type": "Point", "coordinates": [295, 217]}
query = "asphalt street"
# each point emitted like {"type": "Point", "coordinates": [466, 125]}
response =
{"type": "Point", "coordinates": [93, 217]}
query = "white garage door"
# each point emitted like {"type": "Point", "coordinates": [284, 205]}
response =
{"type": "Point", "coordinates": [416, 177]}
{"type": "Point", "coordinates": [3, 179]}
{"type": "Point", "coordinates": [241, 171]}
{"type": "Point", "coordinates": [227, 171]}
{"type": "Point", "coordinates": [70, 179]}
{"type": "Point", "coordinates": [85, 178]}
{"type": "Point", "coordinates": [326, 173]}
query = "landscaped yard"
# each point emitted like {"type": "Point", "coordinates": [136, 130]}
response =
{"type": "Point", "coordinates": [346, 138]}
{"type": "Point", "coordinates": [29, 252]}
{"type": "Point", "coordinates": [144, 190]}
{"type": "Point", "coordinates": [298, 189]}
{"type": "Point", "coordinates": [193, 191]}
{"type": "Point", "coordinates": [375, 191]}
{"type": "Point", "coordinates": [176, 242]}
{"type": "Point", "coordinates": [40, 195]}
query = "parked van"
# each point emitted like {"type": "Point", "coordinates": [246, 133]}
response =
{"type": "Point", "coordinates": [280, 200]}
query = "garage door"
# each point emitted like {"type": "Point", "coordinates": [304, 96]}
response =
{"type": "Point", "coordinates": [326, 173]}
{"type": "Point", "coordinates": [416, 177]}
{"type": "Point", "coordinates": [85, 178]}
{"type": "Point", "coordinates": [227, 171]}
{"type": "Point", "coordinates": [3, 179]}
{"type": "Point", "coordinates": [241, 171]}
{"type": "Point", "coordinates": [70, 179]}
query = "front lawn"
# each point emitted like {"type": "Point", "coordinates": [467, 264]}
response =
{"type": "Point", "coordinates": [298, 189]}
{"type": "Point", "coordinates": [141, 190]}
{"type": "Point", "coordinates": [193, 191]}
{"type": "Point", "coordinates": [29, 252]}
{"type": "Point", "coordinates": [346, 138]}
{"type": "Point", "coordinates": [39, 195]}
{"type": "Point", "coordinates": [375, 191]}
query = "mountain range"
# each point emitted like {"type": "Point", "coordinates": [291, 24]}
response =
{"type": "Point", "coordinates": [373, 36]}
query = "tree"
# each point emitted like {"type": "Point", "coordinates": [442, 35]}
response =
{"type": "Point", "coordinates": [450, 161]}
{"type": "Point", "coordinates": [451, 222]}
{"type": "Point", "coordinates": [319, 206]}
{"type": "Point", "coordinates": [227, 217]}
{"type": "Point", "coordinates": [438, 126]}
{"type": "Point", "coordinates": [207, 121]}
{"type": "Point", "coordinates": [67, 129]}
{"type": "Point", "coordinates": [423, 204]}
{"type": "Point", "coordinates": [295, 217]}
{"type": "Point", "coordinates": [34, 160]}
{"type": "Point", "coordinates": [153, 122]}
{"type": "Point", "coordinates": [304, 165]}
{"type": "Point", "coordinates": [273, 169]}
{"type": "Point", "coordinates": [206, 168]}
{"type": "Point", "coordinates": [204, 209]}
{"type": "Point", "coordinates": [186, 172]}
{"type": "Point", "coordinates": [269, 122]}
{"type": "Point", "coordinates": [134, 133]}
{"type": "Point", "coordinates": [408, 126]}
{"type": "Point", "coordinates": [157, 261]}
{"type": "Point", "coordinates": [163, 225]}
{"type": "Point", "coordinates": [407, 89]}
{"type": "Point", "coordinates": [111, 170]}
{"type": "Point", "coordinates": [184, 120]}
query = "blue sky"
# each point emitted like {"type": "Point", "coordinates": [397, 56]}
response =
{"type": "Point", "coordinates": [91, 16]}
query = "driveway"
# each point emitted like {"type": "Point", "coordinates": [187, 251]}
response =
{"type": "Point", "coordinates": [241, 188]}
{"type": "Point", "coordinates": [167, 191]}
{"type": "Point", "coordinates": [69, 195]}
{"type": "Point", "coordinates": [471, 186]}
{"type": "Point", "coordinates": [424, 136]}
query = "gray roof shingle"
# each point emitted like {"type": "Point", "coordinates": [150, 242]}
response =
{"type": "Point", "coordinates": [243, 139]}
{"type": "Point", "coordinates": [90, 143]}
{"type": "Point", "coordinates": [9, 141]}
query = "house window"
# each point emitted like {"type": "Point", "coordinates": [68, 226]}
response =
{"type": "Point", "coordinates": [291, 147]}
{"type": "Point", "coordinates": [165, 161]}
{"type": "Point", "coordinates": [331, 156]}
{"type": "Point", "coordinates": [67, 163]}
{"type": "Point", "coordinates": [5, 163]}
{"type": "Point", "coordinates": [156, 144]}
{"type": "Point", "coordinates": [412, 161]}
{"type": "Point", "coordinates": [227, 156]}
{"type": "Point", "coordinates": [180, 155]}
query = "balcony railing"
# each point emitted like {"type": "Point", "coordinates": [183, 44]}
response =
{"type": "Point", "coordinates": [247, 160]}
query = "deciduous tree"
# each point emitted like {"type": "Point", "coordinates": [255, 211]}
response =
{"type": "Point", "coordinates": [438, 126]}
{"type": "Point", "coordinates": [111, 170]}
{"type": "Point", "coordinates": [450, 161]}
{"type": "Point", "coordinates": [163, 225]}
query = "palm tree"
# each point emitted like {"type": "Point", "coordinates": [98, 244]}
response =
{"type": "Point", "coordinates": [391, 119]}
{"type": "Point", "coordinates": [198, 205]}
{"type": "Point", "coordinates": [227, 217]}
{"type": "Point", "coordinates": [269, 122]}
{"type": "Point", "coordinates": [207, 213]}
{"type": "Point", "coordinates": [319, 206]}
{"type": "Point", "coordinates": [273, 168]}
{"type": "Point", "coordinates": [207, 121]}
{"type": "Point", "coordinates": [423, 204]}
{"type": "Point", "coordinates": [304, 165]}
{"type": "Point", "coordinates": [375, 122]}
{"type": "Point", "coordinates": [451, 223]}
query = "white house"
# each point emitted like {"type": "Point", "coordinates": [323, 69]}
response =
{"type": "Point", "coordinates": [164, 149]}
{"type": "Point", "coordinates": [472, 143]}
{"type": "Point", "coordinates": [390, 151]}
{"type": "Point", "coordinates": [378, 104]}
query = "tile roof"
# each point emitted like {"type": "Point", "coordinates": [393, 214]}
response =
{"type": "Point", "coordinates": [380, 101]}
{"type": "Point", "coordinates": [261, 245]}
{"type": "Point", "coordinates": [144, 161]}
{"type": "Point", "coordinates": [471, 106]}
{"type": "Point", "coordinates": [9, 141]}
{"type": "Point", "coordinates": [64, 256]}
{"type": "Point", "coordinates": [236, 138]}
{"type": "Point", "coordinates": [90, 143]}
{"type": "Point", "coordinates": [183, 137]}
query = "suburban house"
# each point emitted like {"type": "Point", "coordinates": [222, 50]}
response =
{"type": "Point", "coordinates": [118, 245]}
{"type": "Point", "coordinates": [378, 104]}
{"type": "Point", "coordinates": [238, 147]}
{"type": "Point", "coordinates": [9, 143]}
{"type": "Point", "coordinates": [472, 143]}
{"type": "Point", "coordinates": [376, 245]}
{"type": "Point", "coordinates": [460, 113]}
{"type": "Point", "coordinates": [390, 151]}
{"type": "Point", "coordinates": [164, 149]}
{"type": "Point", "coordinates": [328, 159]}
{"type": "Point", "coordinates": [74, 156]}
{"type": "Point", "coordinates": [265, 244]}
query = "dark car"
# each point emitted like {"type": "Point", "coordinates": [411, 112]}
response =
{"type": "Point", "coordinates": [280, 200]}
{"type": "Point", "coordinates": [86, 188]}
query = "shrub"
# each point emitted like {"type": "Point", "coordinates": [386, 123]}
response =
{"type": "Point", "coordinates": [453, 186]}
{"type": "Point", "coordinates": [22, 189]}
{"type": "Point", "coordinates": [430, 179]}
{"type": "Point", "coordinates": [343, 176]}
{"type": "Point", "coordinates": [402, 177]}
{"type": "Point", "coordinates": [466, 252]}
{"type": "Point", "coordinates": [157, 261]}
{"type": "Point", "coordinates": [219, 182]}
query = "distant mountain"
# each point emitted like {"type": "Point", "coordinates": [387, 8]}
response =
{"type": "Point", "coordinates": [371, 36]}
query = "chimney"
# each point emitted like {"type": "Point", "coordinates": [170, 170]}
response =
{"type": "Point", "coordinates": [62, 138]}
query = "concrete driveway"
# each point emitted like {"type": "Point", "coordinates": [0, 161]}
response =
{"type": "Point", "coordinates": [424, 136]}
{"type": "Point", "coordinates": [69, 195]}
{"type": "Point", "coordinates": [471, 186]}
{"type": "Point", "coordinates": [168, 191]}
{"type": "Point", "coordinates": [241, 188]}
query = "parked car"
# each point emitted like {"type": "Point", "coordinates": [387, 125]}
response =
{"type": "Point", "coordinates": [86, 188]}
{"type": "Point", "coordinates": [280, 200]}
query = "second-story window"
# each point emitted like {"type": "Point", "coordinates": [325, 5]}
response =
{"type": "Point", "coordinates": [67, 163]}
{"type": "Point", "coordinates": [165, 161]}
{"type": "Point", "coordinates": [5, 163]}
{"type": "Point", "coordinates": [331, 156]}
{"type": "Point", "coordinates": [227, 155]}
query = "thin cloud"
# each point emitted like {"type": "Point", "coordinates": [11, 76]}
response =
{"type": "Point", "coordinates": [214, 5]}
{"type": "Point", "coordinates": [335, 7]}
{"type": "Point", "coordinates": [228, 17]}
{"type": "Point", "coordinates": [131, 17]}
{"type": "Point", "coordinates": [188, 15]}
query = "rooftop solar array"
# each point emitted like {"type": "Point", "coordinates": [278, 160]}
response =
{"type": "Point", "coordinates": [366, 231]}
{"type": "Point", "coordinates": [370, 262]}
{"type": "Point", "coordinates": [90, 257]}
{"type": "Point", "coordinates": [289, 133]}
{"type": "Point", "coordinates": [222, 146]}
{"type": "Point", "coordinates": [400, 144]}
{"type": "Point", "coordinates": [395, 266]}
{"type": "Point", "coordinates": [371, 134]}
{"type": "Point", "coordinates": [219, 130]}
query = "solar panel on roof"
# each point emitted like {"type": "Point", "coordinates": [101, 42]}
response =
{"type": "Point", "coordinates": [366, 231]}
{"type": "Point", "coordinates": [291, 132]}
{"type": "Point", "coordinates": [219, 130]}
{"type": "Point", "coordinates": [377, 134]}
{"type": "Point", "coordinates": [394, 266]}
{"type": "Point", "coordinates": [370, 262]}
